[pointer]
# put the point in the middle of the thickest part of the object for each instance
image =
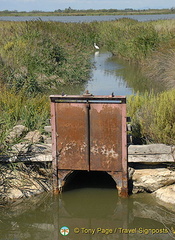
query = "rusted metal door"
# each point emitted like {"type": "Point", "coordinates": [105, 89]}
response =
{"type": "Point", "coordinates": [89, 133]}
{"type": "Point", "coordinates": [71, 136]}
{"type": "Point", "coordinates": [105, 137]}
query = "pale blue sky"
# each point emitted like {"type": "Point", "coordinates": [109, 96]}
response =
{"type": "Point", "coordinates": [51, 5]}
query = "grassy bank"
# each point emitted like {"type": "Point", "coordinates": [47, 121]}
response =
{"type": "Point", "coordinates": [88, 12]}
{"type": "Point", "coordinates": [44, 55]}
{"type": "Point", "coordinates": [37, 57]}
{"type": "Point", "coordinates": [135, 40]}
{"type": "Point", "coordinates": [153, 117]}
{"type": "Point", "coordinates": [151, 45]}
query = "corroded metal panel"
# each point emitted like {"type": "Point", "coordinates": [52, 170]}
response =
{"type": "Point", "coordinates": [89, 133]}
{"type": "Point", "coordinates": [54, 149]}
{"type": "Point", "coordinates": [71, 136]}
{"type": "Point", "coordinates": [106, 137]}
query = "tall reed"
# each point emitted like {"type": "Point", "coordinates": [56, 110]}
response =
{"type": "Point", "coordinates": [153, 116]}
{"type": "Point", "coordinates": [38, 56]}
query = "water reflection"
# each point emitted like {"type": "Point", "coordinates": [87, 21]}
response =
{"type": "Point", "coordinates": [104, 79]}
{"type": "Point", "coordinates": [134, 78]}
{"type": "Point", "coordinates": [77, 19]}
{"type": "Point", "coordinates": [42, 217]}
{"type": "Point", "coordinates": [111, 74]}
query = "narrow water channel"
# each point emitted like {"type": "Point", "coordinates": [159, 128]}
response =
{"type": "Point", "coordinates": [89, 207]}
{"type": "Point", "coordinates": [111, 74]}
{"type": "Point", "coordinates": [105, 79]}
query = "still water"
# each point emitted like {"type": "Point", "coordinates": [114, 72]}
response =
{"type": "Point", "coordinates": [150, 17]}
{"type": "Point", "coordinates": [106, 77]}
{"type": "Point", "coordinates": [89, 212]}
{"type": "Point", "coordinates": [112, 75]}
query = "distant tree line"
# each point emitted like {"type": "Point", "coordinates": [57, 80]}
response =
{"type": "Point", "coordinates": [71, 10]}
{"type": "Point", "coordinates": [16, 11]}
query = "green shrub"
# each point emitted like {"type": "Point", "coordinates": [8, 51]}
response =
{"type": "Point", "coordinates": [153, 116]}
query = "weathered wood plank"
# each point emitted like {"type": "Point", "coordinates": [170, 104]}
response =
{"type": "Point", "coordinates": [153, 153]}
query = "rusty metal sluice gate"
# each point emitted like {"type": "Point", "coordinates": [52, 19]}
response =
{"type": "Point", "coordinates": [89, 133]}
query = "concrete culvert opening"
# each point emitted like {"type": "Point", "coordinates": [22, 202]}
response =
{"type": "Point", "coordinates": [92, 179]}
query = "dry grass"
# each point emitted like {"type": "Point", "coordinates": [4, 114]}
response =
{"type": "Point", "coordinates": [160, 68]}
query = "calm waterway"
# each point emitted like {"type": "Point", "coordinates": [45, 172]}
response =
{"type": "Point", "coordinates": [87, 18]}
{"type": "Point", "coordinates": [90, 212]}
{"type": "Point", "coordinates": [89, 205]}
{"type": "Point", "coordinates": [106, 77]}
{"type": "Point", "coordinates": [112, 75]}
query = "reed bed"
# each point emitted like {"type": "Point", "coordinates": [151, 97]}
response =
{"type": "Point", "coordinates": [41, 55]}
{"type": "Point", "coordinates": [36, 57]}
{"type": "Point", "coordinates": [153, 117]}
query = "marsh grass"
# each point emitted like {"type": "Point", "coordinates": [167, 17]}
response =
{"type": "Point", "coordinates": [39, 56]}
{"type": "Point", "coordinates": [162, 68]}
{"type": "Point", "coordinates": [128, 38]}
{"type": "Point", "coordinates": [32, 112]}
{"type": "Point", "coordinates": [153, 116]}
{"type": "Point", "coordinates": [36, 56]}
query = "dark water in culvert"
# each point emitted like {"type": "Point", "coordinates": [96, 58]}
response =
{"type": "Point", "coordinates": [90, 209]}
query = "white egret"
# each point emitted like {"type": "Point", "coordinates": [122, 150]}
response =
{"type": "Point", "coordinates": [95, 46]}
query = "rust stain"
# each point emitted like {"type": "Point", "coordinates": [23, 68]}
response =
{"type": "Point", "coordinates": [90, 135]}
{"type": "Point", "coordinates": [106, 137]}
{"type": "Point", "coordinates": [71, 140]}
